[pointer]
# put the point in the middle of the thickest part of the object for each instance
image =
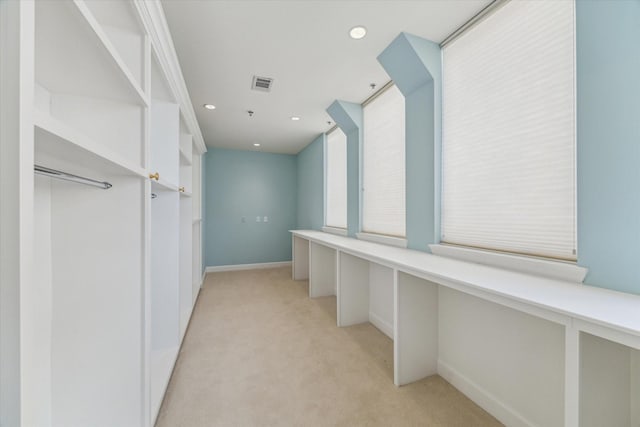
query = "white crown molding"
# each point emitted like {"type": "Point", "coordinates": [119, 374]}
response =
{"type": "Point", "coordinates": [155, 22]}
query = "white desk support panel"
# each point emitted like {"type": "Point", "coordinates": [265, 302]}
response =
{"type": "Point", "coordinates": [586, 316]}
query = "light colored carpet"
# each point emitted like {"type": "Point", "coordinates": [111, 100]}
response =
{"type": "Point", "coordinates": [260, 352]}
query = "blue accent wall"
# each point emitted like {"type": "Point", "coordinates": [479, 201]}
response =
{"type": "Point", "coordinates": [249, 184]}
{"type": "Point", "coordinates": [310, 164]}
{"type": "Point", "coordinates": [608, 149]}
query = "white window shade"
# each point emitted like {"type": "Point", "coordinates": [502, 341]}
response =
{"type": "Point", "coordinates": [383, 165]}
{"type": "Point", "coordinates": [336, 173]}
{"type": "Point", "coordinates": [509, 174]}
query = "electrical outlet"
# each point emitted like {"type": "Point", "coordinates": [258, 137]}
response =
{"type": "Point", "coordinates": [265, 219]}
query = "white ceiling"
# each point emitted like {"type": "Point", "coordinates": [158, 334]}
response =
{"type": "Point", "coordinates": [304, 46]}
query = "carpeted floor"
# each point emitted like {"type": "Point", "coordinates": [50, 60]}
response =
{"type": "Point", "coordinates": [259, 352]}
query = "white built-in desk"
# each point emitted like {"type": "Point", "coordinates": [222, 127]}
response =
{"type": "Point", "coordinates": [530, 350]}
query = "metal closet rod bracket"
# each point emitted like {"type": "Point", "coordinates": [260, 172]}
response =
{"type": "Point", "coordinates": [52, 173]}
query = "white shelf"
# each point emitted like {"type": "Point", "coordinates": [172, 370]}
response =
{"type": "Point", "coordinates": [68, 61]}
{"type": "Point", "coordinates": [163, 185]}
{"type": "Point", "coordinates": [185, 194]}
{"type": "Point", "coordinates": [124, 28]}
{"type": "Point", "coordinates": [524, 331]}
{"type": "Point", "coordinates": [112, 52]}
{"type": "Point", "coordinates": [58, 145]}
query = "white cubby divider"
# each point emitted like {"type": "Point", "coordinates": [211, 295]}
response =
{"type": "Point", "coordinates": [114, 273]}
{"type": "Point", "coordinates": [165, 294]}
{"type": "Point", "coordinates": [164, 141]}
{"type": "Point", "coordinates": [196, 224]}
{"type": "Point", "coordinates": [185, 263]}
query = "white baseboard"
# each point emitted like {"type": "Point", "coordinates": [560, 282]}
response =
{"type": "Point", "coordinates": [381, 324]}
{"type": "Point", "coordinates": [237, 267]}
{"type": "Point", "coordinates": [482, 397]}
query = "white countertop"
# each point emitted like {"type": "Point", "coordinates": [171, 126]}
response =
{"type": "Point", "coordinates": [615, 310]}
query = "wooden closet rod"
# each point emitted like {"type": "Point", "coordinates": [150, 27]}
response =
{"type": "Point", "coordinates": [52, 173]}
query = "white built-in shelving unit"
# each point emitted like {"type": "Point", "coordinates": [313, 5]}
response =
{"type": "Point", "coordinates": [106, 278]}
{"type": "Point", "coordinates": [532, 351]}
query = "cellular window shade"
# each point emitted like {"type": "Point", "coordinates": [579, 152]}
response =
{"type": "Point", "coordinates": [508, 151]}
{"type": "Point", "coordinates": [336, 172]}
{"type": "Point", "coordinates": [383, 165]}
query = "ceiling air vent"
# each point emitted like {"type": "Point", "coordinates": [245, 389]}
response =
{"type": "Point", "coordinates": [262, 83]}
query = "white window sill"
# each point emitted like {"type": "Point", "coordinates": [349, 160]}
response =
{"type": "Point", "coordinates": [335, 230]}
{"type": "Point", "coordinates": [385, 240]}
{"type": "Point", "coordinates": [537, 266]}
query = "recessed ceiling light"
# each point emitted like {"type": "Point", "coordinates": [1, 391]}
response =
{"type": "Point", "coordinates": [358, 32]}
{"type": "Point", "coordinates": [255, 144]}
{"type": "Point", "coordinates": [209, 106]}
{"type": "Point", "coordinates": [295, 118]}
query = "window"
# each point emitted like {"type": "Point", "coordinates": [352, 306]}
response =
{"type": "Point", "coordinates": [336, 179]}
{"type": "Point", "coordinates": [383, 165]}
{"type": "Point", "coordinates": [508, 150]}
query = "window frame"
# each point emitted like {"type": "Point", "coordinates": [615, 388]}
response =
{"type": "Point", "coordinates": [326, 227]}
{"type": "Point", "coordinates": [372, 236]}
{"type": "Point", "coordinates": [498, 252]}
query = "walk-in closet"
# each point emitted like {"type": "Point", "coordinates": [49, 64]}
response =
{"type": "Point", "coordinates": [108, 153]}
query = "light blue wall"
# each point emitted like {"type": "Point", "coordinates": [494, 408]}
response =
{"type": "Point", "coordinates": [310, 163]}
{"type": "Point", "coordinates": [348, 116]}
{"type": "Point", "coordinates": [249, 184]}
{"type": "Point", "coordinates": [203, 212]}
{"type": "Point", "coordinates": [608, 159]}
{"type": "Point", "coordinates": [608, 124]}
{"type": "Point", "coordinates": [415, 65]}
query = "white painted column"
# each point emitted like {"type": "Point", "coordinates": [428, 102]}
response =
{"type": "Point", "coordinates": [635, 388]}
{"type": "Point", "coordinates": [415, 347]}
{"type": "Point", "coordinates": [322, 270]}
{"type": "Point", "coordinates": [300, 258]}
{"type": "Point", "coordinates": [572, 377]}
{"type": "Point", "coordinates": [353, 293]}
{"type": "Point", "coordinates": [381, 300]}
{"type": "Point", "coordinates": [24, 399]}
{"type": "Point", "coordinates": [338, 286]}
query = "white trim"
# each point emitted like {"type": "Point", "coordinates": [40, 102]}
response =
{"type": "Point", "coordinates": [540, 267]}
{"type": "Point", "coordinates": [258, 266]}
{"type": "Point", "coordinates": [635, 388]}
{"type": "Point", "coordinates": [324, 178]}
{"type": "Point", "coordinates": [154, 21]}
{"type": "Point", "coordinates": [335, 230]}
{"type": "Point", "coordinates": [400, 242]}
{"type": "Point", "coordinates": [482, 397]}
{"type": "Point", "coordinates": [384, 326]}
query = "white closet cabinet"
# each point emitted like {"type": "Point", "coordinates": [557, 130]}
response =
{"type": "Point", "coordinates": [98, 285]}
